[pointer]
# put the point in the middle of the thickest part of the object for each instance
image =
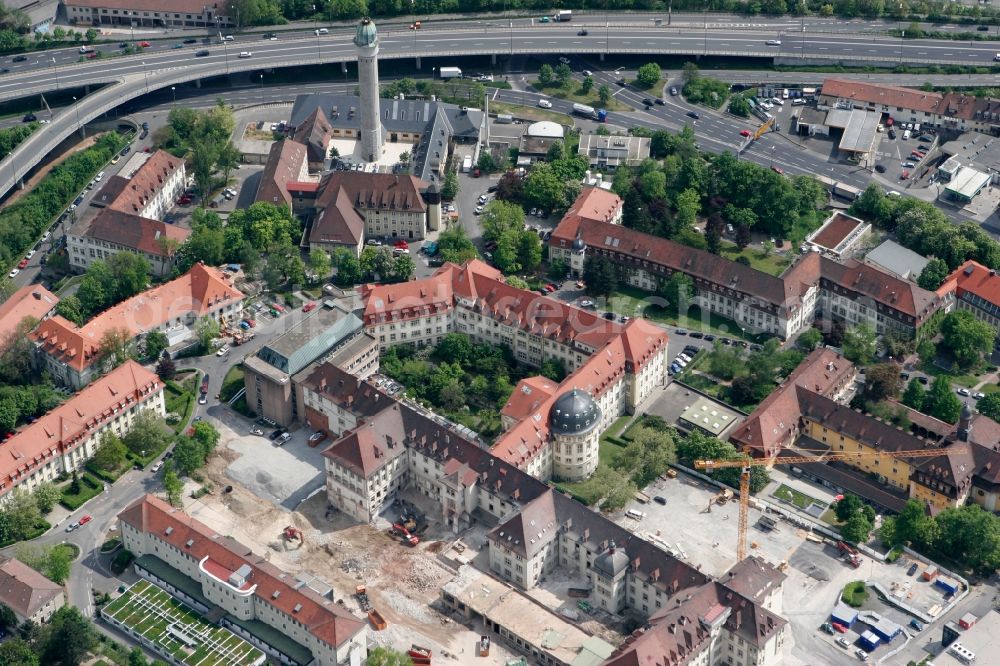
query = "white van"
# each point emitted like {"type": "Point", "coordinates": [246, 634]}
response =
{"type": "Point", "coordinates": [798, 101]}
{"type": "Point", "coordinates": [99, 176]}
{"type": "Point", "coordinates": [635, 515]}
{"type": "Point", "coordinates": [322, 31]}
{"type": "Point", "coordinates": [778, 101]}
{"type": "Point", "coordinates": [906, 135]}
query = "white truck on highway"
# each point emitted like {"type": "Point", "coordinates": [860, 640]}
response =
{"type": "Point", "coordinates": [450, 73]}
{"type": "Point", "coordinates": [564, 15]}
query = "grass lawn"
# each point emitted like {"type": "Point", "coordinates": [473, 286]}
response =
{"type": "Point", "coordinates": [608, 452]}
{"type": "Point", "coordinates": [530, 113]}
{"type": "Point", "coordinates": [966, 380]}
{"type": "Point", "coordinates": [855, 594]}
{"type": "Point", "coordinates": [636, 302]}
{"type": "Point", "coordinates": [232, 384]}
{"type": "Point", "coordinates": [793, 496]}
{"type": "Point", "coordinates": [830, 518]}
{"type": "Point", "coordinates": [158, 618]}
{"type": "Point", "coordinates": [179, 397]}
{"type": "Point", "coordinates": [90, 487]}
{"type": "Point", "coordinates": [773, 264]}
{"type": "Point", "coordinates": [591, 490]}
{"type": "Point", "coordinates": [572, 93]}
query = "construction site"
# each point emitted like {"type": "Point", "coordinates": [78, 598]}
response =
{"type": "Point", "coordinates": [391, 572]}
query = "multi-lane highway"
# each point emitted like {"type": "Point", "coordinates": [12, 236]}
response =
{"type": "Point", "coordinates": [163, 65]}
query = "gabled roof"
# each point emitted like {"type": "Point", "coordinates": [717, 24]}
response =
{"type": "Point", "coordinates": [875, 93]}
{"type": "Point", "coordinates": [314, 133]}
{"type": "Point", "coordinates": [972, 281]}
{"type": "Point", "coordinates": [146, 182]}
{"type": "Point", "coordinates": [777, 417]}
{"type": "Point", "coordinates": [32, 300]}
{"type": "Point", "coordinates": [136, 232]}
{"type": "Point", "coordinates": [69, 424]}
{"type": "Point", "coordinates": [24, 590]}
{"type": "Point", "coordinates": [889, 290]}
{"type": "Point", "coordinates": [371, 445]}
{"type": "Point", "coordinates": [199, 291]}
{"type": "Point", "coordinates": [285, 164]}
{"type": "Point", "coordinates": [321, 617]}
{"type": "Point", "coordinates": [345, 197]}
{"type": "Point", "coordinates": [528, 396]}
{"type": "Point", "coordinates": [653, 252]}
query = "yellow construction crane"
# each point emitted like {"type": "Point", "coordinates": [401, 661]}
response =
{"type": "Point", "coordinates": [747, 462]}
{"type": "Point", "coordinates": [763, 129]}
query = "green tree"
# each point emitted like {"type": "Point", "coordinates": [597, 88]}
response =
{"type": "Point", "coordinates": [505, 256]}
{"type": "Point", "coordinates": [810, 339]}
{"type": "Point", "coordinates": [739, 106]}
{"type": "Point", "coordinates": [545, 188]}
{"type": "Point", "coordinates": [383, 656]}
{"type": "Point", "coordinates": [166, 368]}
{"type": "Point", "coordinates": [647, 456]}
{"type": "Point", "coordinates": [147, 435]}
{"type": "Point", "coordinates": [455, 246]}
{"type": "Point", "coordinates": [912, 526]}
{"type": "Point", "coordinates": [20, 514]}
{"type": "Point", "coordinates": [648, 75]}
{"type": "Point", "coordinates": [678, 290]}
{"type": "Point", "coordinates": [207, 437]}
{"type": "Point", "coordinates": [137, 658]}
{"type": "Point", "coordinates": [348, 267]}
{"type": "Point", "coordinates": [155, 343]}
{"type": "Point", "coordinates": [450, 188]}
{"type": "Point", "coordinates": [563, 74]}
{"type": "Point", "coordinates": [403, 267]}
{"type": "Point", "coordinates": [545, 75]}
{"type": "Point", "coordinates": [970, 535]}
{"type": "Point", "coordinates": [58, 563]}
{"type": "Point", "coordinates": [933, 274]}
{"type": "Point", "coordinates": [319, 263]}
{"type": "Point", "coordinates": [848, 506]}
{"type": "Point", "coordinates": [941, 402]}
{"type": "Point", "coordinates": [173, 486]}
{"type": "Point", "coordinates": [914, 396]}
{"type": "Point", "coordinates": [206, 330]}
{"type": "Point", "coordinates": [688, 207]}
{"type": "Point", "coordinates": [529, 250]}
{"type": "Point", "coordinates": [111, 452]}
{"type": "Point", "coordinates": [883, 381]}
{"type": "Point", "coordinates": [966, 337]}
{"type": "Point", "coordinates": [856, 529]}
{"type": "Point", "coordinates": [587, 85]}
{"type": "Point", "coordinates": [7, 617]}
{"type": "Point", "coordinates": [70, 307]}
{"type": "Point", "coordinates": [188, 455]}
{"type": "Point", "coordinates": [70, 637]}
{"type": "Point", "coordinates": [600, 275]}
{"type": "Point", "coordinates": [17, 652]}
{"type": "Point", "coordinates": [860, 344]}
{"type": "Point", "coordinates": [500, 217]}
{"type": "Point", "coordinates": [46, 496]}
{"type": "Point", "coordinates": [604, 94]}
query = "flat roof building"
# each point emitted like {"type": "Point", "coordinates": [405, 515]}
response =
{"type": "Point", "coordinates": [893, 258]}
{"type": "Point", "coordinates": [966, 184]}
{"type": "Point", "coordinates": [273, 391]}
{"type": "Point", "coordinates": [610, 152]}
{"type": "Point", "coordinates": [857, 129]}
{"type": "Point", "coordinates": [839, 235]}
{"type": "Point", "coordinates": [709, 416]}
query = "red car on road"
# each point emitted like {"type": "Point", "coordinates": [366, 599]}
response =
{"type": "Point", "coordinates": [22, 263]}
{"type": "Point", "coordinates": [184, 200]}
{"type": "Point", "coordinates": [309, 307]}
{"type": "Point", "coordinates": [86, 519]}
{"type": "Point", "coordinates": [777, 169]}
{"type": "Point", "coordinates": [401, 244]}
{"type": "Point", "coordinates": [144, 45]}
{"type": "Point", "coordinates": [744, 132]}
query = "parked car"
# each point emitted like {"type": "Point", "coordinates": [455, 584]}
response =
{"type": "Point", "coordinates": [828, 628]}
{"type": "Point", "coordinates": [86, 519]}
{"type": "Point", "coordinates": [916, 624]}
{"type": "Point", "coordinates": [843, 642]}
{"type": "Point", "coordinates": [156, 467]}
{"type": "Point", "coordinates": [309, 307]}
{"type": "Point", "coordinates": [964, 392]}
{"type": "Point", "coordinates": [276, 434]}
{"type": "Point", "coordinates": [72, 526]}
{"type": "Point", "coordinates": [673, 91]}
{"type": "Point", "coordinates": [912, 570]}
{"type": "Point", "coordinates": [660, 499]}
{"type": "Point", "coordinates": [283, 439]}
{"type": "Point", "coordinates": [880, 168]}
{"type": "Point", "coordinates": [223, 350]}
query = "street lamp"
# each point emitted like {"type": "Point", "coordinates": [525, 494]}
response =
{"type": "Point", "coordinates": [145, 75]}
{"type": "Point", "coordinates": [173, 89]}
{"type": "Point", "coordinates": [262, 82]}
{"type": "Point", "coordinates": [55, 68]}
{"type": "Point", "coordinates": [78, 125]}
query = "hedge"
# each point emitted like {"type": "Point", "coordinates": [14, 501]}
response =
{"type": "Point", "coordinates": [90, 487]}
{"type": "Point", "coordinates": [105, 475]}
{"type": "Point", "coordinates": [40, 528]}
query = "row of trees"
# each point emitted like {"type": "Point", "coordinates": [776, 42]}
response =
{"type": "Point", "coordinates": [23, 222]}
{"type": "Point", "coordinates": [12, 137]}
{"type": "Point", "coordinates": [666, 199]}
{"type": "Point", "coordinates": [968, 535]}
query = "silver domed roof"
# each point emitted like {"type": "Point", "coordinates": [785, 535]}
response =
{"type": "Point", "coordinates": [611, 562]}
{"type": "Point", "coordinates": [366, 34]}
{"type": "Point", "coordinates": [574, 413]}
{"type": "Point", "coordinates": [578, 244]}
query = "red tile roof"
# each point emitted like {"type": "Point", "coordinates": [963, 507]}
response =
{"type": "Point", "coordinates": [776, 419]}
{"type": "Point", "coordinates": [652, 252]}
{"type": "Point", "coordinates": [199, 291]}
{"type": "Point", "coordinates": [892, 96]}
{"type": "Point", "coordinates": [973, 279]}
{"type": "Point", "coordinates": [321, 617]}
{"type": "Point", "coordinates": [594, 203]}
{"type": "Point", "coordinates": [345, 195]}
{"type": "Point", "coordinates": [889, 290]}
{"type": "Point", "coordinates": [530, 394]}
{"type": "Point", "coordinates": [136, 232]}
{"type": "Point", "coordinates": [31, 300]}
{"type": "Point", "coordinates": [146, 182]}
{"type": "Point", "coordinates": [68, 425]}
{"type": "Point", "coordinates": [284, 166]}
{"type": "Point", "coordinates": [24, 590]}
{"type": "Point", "coordinates": [367, 448]}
